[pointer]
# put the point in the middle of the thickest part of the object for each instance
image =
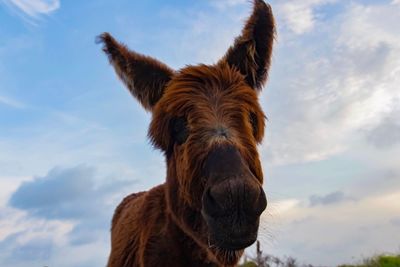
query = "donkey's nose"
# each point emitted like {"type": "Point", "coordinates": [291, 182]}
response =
{"type": "Point", "coordinates": [260, 204]}
{"type": "Point", "coordinates": [234, 196]}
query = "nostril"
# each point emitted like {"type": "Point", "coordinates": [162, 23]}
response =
{"type": "Point", "coordinates": [261, 203]}
{"type": "Point", "coordinates": [210, 204]}
{"type": "Point", "coordinates": [210, 198]}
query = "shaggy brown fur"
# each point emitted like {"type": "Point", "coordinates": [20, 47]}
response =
{"type": "Point", "coordinates": [197, 112]}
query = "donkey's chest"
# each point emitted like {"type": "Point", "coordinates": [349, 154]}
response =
{"type": "Point", "coordinates": [174, 248]}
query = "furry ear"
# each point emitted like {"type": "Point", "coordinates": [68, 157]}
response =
{"type": "Point", "coordinates": [251, 52]}
{"type": "Point", "coordinates": [144, 76]}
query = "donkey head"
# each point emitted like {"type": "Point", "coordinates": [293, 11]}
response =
{"type": "Point", "coordinates": [208, 121]}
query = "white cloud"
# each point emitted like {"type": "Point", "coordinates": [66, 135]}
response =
{"type": "Point", "coordinates": [8, 185]}
{"type": "Point", "coordinates": [38, 231]}
{"type": "Point", "coordinates": [386, 134]}
{"type": "Point", "coordinates": [334, 234]}
{"type": "Point", "coordinates": [204, 36]}
{"type": "Point", "coordinates": [285, 205]}
{"type": "Point", "coordinates": [34, 8]}
{"type": "Point", "coordinates": [299, 16]}
{"type": "Point", "coordinates": [19, 231]}
{"type": "Point", "coordinates": [319, 101]}
{"type": "Point", "coordinates": [330, 97]}
{"type": "Point", "coordinates": [222, 4]}
{"type": "Point", "coordinates": [11, 102]}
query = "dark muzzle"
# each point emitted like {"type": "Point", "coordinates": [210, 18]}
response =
{"type": "Point", "coordinates": [232, 201]}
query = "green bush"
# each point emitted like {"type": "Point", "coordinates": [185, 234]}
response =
{"type": "Point", "coordinates": [264, 260]}
{"type": "Point", "coordinates": [379, 261]}
{"type": "Point", "coordinates": [248, 264]}
{"type": "Point", "coordinates": [389, 261]}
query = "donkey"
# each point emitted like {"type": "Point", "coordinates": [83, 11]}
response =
{"type": "Point", "coordinates": [207, 120]}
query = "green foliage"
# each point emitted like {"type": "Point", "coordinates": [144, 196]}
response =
{"type": "Point", "coordinates": [389, 261]}
{"type": "Point", "coordinates": [264, 260]}
{"type": "Point", "coordinates": [379, 261]}
{"type": "Point", "coordinates": [248, 264]}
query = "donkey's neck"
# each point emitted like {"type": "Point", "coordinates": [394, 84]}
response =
{"type": "Point", "coordinates": [188, 222]}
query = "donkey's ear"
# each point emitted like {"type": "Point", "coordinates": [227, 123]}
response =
{"type": "Point", "coordinates": [251, 52]}
{"type": "Point", "coordinates": [144, 76]}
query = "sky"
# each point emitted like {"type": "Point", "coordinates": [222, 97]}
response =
{"type": "Point", "coordinates": [73, 141]}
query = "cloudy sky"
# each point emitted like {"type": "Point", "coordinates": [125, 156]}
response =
{"type": "Point", "coordinates": [73, 141]}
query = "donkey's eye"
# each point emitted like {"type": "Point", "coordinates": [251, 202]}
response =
{"type": "Point", "coordinates": [180, 131]}
{"type": "Point", "coordinates": [254, 122]}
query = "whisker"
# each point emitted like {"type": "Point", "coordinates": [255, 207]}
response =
{"type": "Point", "coordinates": [209, 243]}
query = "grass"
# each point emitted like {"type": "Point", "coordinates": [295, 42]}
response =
{"type": "Point", "coordinates": [265, 260]}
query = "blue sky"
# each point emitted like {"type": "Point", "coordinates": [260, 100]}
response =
{"type": "Point", "coordinates": [73, 141]}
